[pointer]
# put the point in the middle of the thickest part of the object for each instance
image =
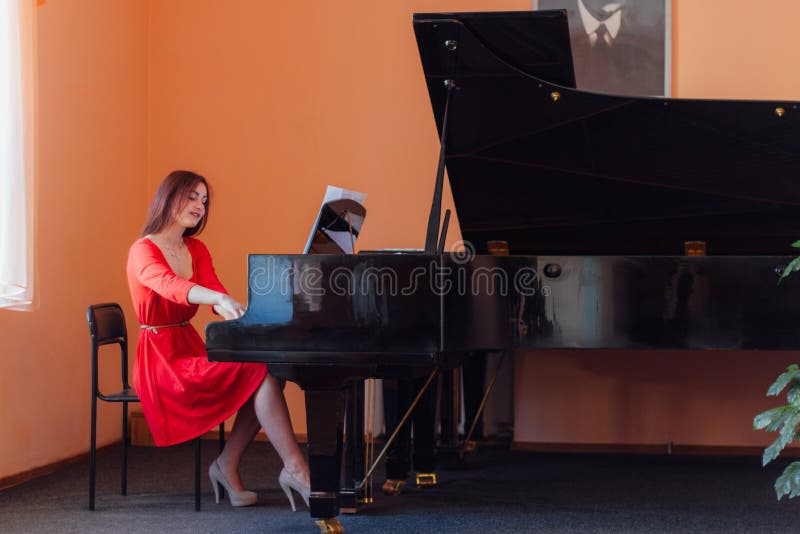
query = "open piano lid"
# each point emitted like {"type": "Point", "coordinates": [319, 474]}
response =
{"type": "Point", "coordinates": [555, 170]}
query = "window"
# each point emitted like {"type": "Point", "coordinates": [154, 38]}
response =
{"type": "Point", "coordinates": [17, 137]}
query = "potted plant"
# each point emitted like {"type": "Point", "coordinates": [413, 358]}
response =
{"type": "Point", "coordinates": [784, 419]}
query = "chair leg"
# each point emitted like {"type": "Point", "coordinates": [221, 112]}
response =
{"type": "Point", "coordinates": [197, 474]}
{"type": "Point", "coordinates": [124, 448]}
{"type": "Point", "coordinates": [220, 487]}
{"type": "Point", "coordinates": [92, 452]}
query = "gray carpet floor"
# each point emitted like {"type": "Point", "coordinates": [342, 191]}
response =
{"type": "Point", "coordinates": [493, 491]}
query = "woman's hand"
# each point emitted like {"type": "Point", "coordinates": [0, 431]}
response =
{"type": "Point", "coordinates": [223, 304]}
{"type": "Point", "coordinates": [229, 308]}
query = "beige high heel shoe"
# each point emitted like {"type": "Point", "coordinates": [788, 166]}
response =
{"type": "Point", "coordinates": [237, 498]}
{"type": "Point", "coordinates": [288, 483]}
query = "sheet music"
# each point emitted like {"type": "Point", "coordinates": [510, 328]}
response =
{"type": "Point", "coordinates": [338, 193]}
{"type": "Point", "coordinates": [343, 239]}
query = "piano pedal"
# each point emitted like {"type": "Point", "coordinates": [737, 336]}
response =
{"type": "Point", "coordinates": [351, 509]}
{"type": "Point", "coordinates": [393, 487]}
{"type": "Point", "coordinates": [330, 526]}
{"type": "Point", "coordinates": [353, 501]}
{"type": "Point", "coordinates": [426, 480]}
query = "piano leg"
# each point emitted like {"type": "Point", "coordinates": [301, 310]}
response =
{"type": "Point", "coordinates": [325, 389]}
{"type": "Point", "coordinates": [397, 397]}
{"type": "Point", "coordinates": [350, 496]}
{"type": "Point", "coordinates": [325, 449]}
{"type": "Point", "coordinates": [396, 400]}
{"type": "Point", "coordinates": [473, 377]}
{"type": "Point", "coordinates": [424, 456]}
{"type": "Point", "coordinates": [451, 409]}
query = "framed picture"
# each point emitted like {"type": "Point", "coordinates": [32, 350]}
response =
{"type": "Point", "coordinates": [619, 46]}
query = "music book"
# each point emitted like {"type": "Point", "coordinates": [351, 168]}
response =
{"type": "Point", "coordinates": [338, 222]}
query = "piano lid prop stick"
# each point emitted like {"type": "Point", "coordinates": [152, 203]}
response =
{"type": "Point", "coordinates": [436, 207]}
{"type": "Point", "coordinates": [397, 429]}
{"type": "Point", "coordinates": [443, 237]}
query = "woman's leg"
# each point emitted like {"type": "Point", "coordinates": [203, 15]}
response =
{"type": "Point", "coordinates": [244, 430]}
{"type": "Point", "coordinates": [273, 414]}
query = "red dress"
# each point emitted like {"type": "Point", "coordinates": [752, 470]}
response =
{"type": "Point", "coordinates": [183, 395]}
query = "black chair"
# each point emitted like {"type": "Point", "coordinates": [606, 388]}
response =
{"type": "Point", "coordinates": [107, 327]}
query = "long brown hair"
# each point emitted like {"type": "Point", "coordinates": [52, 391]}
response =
{"type": "Point", "coordinates": [170, 198]}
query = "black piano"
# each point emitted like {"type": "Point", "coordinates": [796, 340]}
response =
{"type": "Point", "coordinates": [595, 195]}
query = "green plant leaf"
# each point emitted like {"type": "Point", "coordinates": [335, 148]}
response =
{"type": "Point", "coordinates": [772, 418]}
{"type": "Point", "coordinates": [771, 452]}
{"type": "Point", "coordinates": [780, 421]}
{"type": "Point", "coordinates": [794, 394]}
{"type": "Point", "coordinates": [789, 429]}
{"type": "Point", "coordinates": [789, 481]}
{"type": "Point", "coordinates": [785, 437]}
{"type": "Point", "coordinates": [796, 244]}
{"type": "Point", "coordinates": [793, 266]}
{"type": "Point", "coordinates": [783, 380]}
{"type": "Point", "coordinates": [787, 434]}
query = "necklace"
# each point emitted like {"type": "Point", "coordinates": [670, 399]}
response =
{"type": "Point", "coordinates": [177, 256]}
{"type": "Point", "coordinates": [171, 251]}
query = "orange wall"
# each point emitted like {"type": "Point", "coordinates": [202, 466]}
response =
{"type": "Point", "coordinates": [92, 163]}
{"type": "Point", "coordinates": [644, 397]}
{"type": "Point", "coordinates": [721, 49]}
{"type": "Point", "coordinates": [272, 101]}
{"type": "Point", "coordinates": [736, 49]}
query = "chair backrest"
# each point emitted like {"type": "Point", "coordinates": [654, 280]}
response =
{"type": "Point", "coordinates": [106, 323]}
{"type": "Point", "coordinates": [107, 326]}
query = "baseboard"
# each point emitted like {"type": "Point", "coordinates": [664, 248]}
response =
{"type": "Point", "coordinates": [676, 449]}
{"type": "Point", "coordinates": [30, 474]}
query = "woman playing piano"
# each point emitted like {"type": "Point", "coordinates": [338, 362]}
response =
{"type": "Point", "coordinates": [183, 395]}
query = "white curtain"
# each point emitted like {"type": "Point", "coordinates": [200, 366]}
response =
{"type": "Point", "coordinates": [17, 139]}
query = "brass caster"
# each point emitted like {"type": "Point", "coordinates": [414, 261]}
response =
{"type": "Point", "coordinates": [330, 526]}
{"type": "Point", "coordinates": [393, 487]}
{"type": "Point", "coordinates": [426, 480]}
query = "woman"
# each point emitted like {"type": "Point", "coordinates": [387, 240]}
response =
{"type": "Point", "coordinates": [183, 395]}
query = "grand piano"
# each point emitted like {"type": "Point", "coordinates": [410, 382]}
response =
{"type": "Point", "coordinates": [595, 195]}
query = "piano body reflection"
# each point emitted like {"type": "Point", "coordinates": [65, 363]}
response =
{"type": "Point", "coordinates": [595, 195]}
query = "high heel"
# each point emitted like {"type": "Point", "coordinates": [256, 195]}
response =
{"type": "Point", "coordinates": [237, 498]}
{"type": "Point", "coordinates": [288, 483]}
